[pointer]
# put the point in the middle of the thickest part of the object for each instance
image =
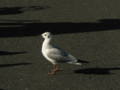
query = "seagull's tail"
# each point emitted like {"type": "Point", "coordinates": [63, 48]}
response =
{"type": "Point", "coordinates": [73, 60]}
{"type": "Point", "coordinates": [75, 63]}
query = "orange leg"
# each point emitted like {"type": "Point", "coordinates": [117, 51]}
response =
{"type": "Point", "coordinates": [54, 70]}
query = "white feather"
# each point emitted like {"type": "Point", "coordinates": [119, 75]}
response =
{"type": "Point", "coordinates": [55, 54]}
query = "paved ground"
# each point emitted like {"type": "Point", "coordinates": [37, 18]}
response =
{"type": "Point", "coordinates": [89, 31]}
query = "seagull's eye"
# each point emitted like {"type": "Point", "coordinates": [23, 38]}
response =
{"type": "Point", "coordinates": [45, 34]}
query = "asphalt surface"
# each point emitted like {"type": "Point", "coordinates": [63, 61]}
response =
{"type": "Point", "coordinates": [87, 29]}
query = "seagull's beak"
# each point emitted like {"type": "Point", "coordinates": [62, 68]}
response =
{"type": "Point", "coordinates": [40, 35]}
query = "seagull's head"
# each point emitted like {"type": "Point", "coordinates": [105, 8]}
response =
{"type": "Point", "coordinates": [46, 35]}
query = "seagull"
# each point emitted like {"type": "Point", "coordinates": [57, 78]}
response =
{"type": "Point", "coordinates": [55, 54]}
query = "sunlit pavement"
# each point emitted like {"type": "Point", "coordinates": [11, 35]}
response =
{"type": "Point", "coordinates": [87, 29]}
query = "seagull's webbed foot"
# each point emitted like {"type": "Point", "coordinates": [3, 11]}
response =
{"type": "Point", "coordinates": [55, 69]}
{"type": "Point", "coordinates": [51, 73]}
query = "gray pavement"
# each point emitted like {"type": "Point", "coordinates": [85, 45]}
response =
{"type": "Point", "coordinates": [87, 29]}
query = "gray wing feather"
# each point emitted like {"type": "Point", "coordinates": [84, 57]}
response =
{"type": "Point", "coordinates": [58, 54]}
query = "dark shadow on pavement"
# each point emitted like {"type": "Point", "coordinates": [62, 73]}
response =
{"type": "Point", "coordinates": [20, 10]}
{"type": "Point", "coordinates": [10, 53]}
{"type": "Point", "coordinates": [16, 64]}
{"type": "Point", "coordinates": [23, 28]}
{"type": "Point", "coordinates": [97, 71]}
{"type": "Point", "coordinates": [81, 61]}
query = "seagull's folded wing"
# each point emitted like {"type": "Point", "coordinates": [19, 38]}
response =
{"type": "Point", "coordinates": [58, 55]}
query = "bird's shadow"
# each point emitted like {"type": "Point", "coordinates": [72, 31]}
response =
{"type": "Point", "coordinates": [16, 64]}
{"type": "Point", "coordinates": [96, 71]}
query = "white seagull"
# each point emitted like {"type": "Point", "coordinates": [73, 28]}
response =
{"type": "Point", "coordinates": [55, 54]}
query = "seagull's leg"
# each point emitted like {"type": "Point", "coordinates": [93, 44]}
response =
{"type": "Point", "coordinates": [55, 67]}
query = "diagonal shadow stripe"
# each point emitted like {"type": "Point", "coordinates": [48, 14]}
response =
{"type": "Point", "coordinates": [10, 53]}
{"type": "Point", "coordinates": [22, 28]}
{"type": "Point", "coordinates": [16, 64]}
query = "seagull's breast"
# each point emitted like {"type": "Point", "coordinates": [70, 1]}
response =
{"type": "Point", "coordinates": [44, 52]}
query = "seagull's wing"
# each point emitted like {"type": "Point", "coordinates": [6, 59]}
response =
{"type": "Point", "coordinates": [58, 54]}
